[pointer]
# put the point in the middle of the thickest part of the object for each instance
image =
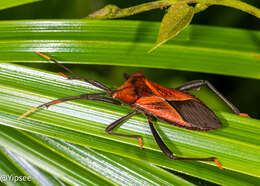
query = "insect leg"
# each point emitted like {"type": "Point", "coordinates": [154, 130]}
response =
{"type": "Point", "coordinates": [91, 81]}
{"type": "Point", "coordinates": [118, 122]}
{"type": "Point", "coordinates": [197, 84]}
{"type": "Point", "coordinates": [83, 96]}
{"type": "Point", "coordinates": [169, 153]}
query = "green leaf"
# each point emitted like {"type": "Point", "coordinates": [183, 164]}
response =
{"type": "Point", "coordinates": [46, 159]}
{"type": "Point", "coordinates": [12, 3]}
{"type": "Point", "coordinates": [175, 20]}
{"type": "Point", "coordinates": [118, 169]}
{"type": "Point", "coordinates": [35, 175]}
{"type": "Point", "coordinates": [236, 144]}
{"type": "Point", "coordinates": [198, 48]}
{"type": "Point", "coordinates": [9, 168]}
{"type": "Point", "coordinates": [55, 155]}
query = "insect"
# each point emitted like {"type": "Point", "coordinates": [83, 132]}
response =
{"type": "Point", "coordinates": [174, 106]}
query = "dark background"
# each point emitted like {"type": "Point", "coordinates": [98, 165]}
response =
{"type": "Point", "coordinates": [244, 93]}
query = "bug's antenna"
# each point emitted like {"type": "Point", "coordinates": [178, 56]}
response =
{"type": "Point", "coordinates": [91, 81]}
{"type": "Point", "coordinates": [53, 60]}
{"type": "Point", "coordinates": [90, 96]}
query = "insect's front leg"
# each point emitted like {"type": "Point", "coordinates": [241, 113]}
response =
{"type": "Point", "coordinates": [197, 84]}
{"type": "Point", "coordinates": [118, 122]}
{"type": "Point", "coordinates": [169, 153]}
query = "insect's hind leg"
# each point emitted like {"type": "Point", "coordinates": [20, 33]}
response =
{"type": "Point", "coordinates": [197, 84]}
{"type": "Point", "coordinates": [118, 122]}
{"type": "Point", "coordinates": [83, 96]}
{"type": "Point", "coordinates": [169, 153]}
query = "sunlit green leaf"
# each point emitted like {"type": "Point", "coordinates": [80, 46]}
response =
{"type": "Point", "coordinates": [32, 174]}
{"type": "Point", "coordinates": [119, 42]}
{"type": "Point", "coordinates": [57, 165]}
{"type": "Point", "coordinates": [236, 144]}
{"type": "Point", "coordinates": [177, 18]}
{"type": "Point", "coordinates": [8, 171]}
{"type": "Point", "coordinates": [66, 160]}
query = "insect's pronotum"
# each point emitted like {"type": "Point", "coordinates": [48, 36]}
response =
{"type": "Point", "coordinates": [174, 106]}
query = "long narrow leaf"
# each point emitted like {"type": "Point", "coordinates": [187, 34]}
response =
{"type": "Point", "coordinates": [36, 175]}
{"type": "Point", "coordinates": [125, 43]}
{"type": "Point", "coordinates": [115, 168]}
{"type": "Point", "coordinates": [8, 171]}
{"type": "Point", "coordinates": [53, 163]}
{"type": "Point", "coordinates": [100, 164]}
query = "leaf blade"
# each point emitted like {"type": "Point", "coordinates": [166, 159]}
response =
{"type": "Point", "coordinates": [37, 176]}
{"type": "Point", "coordinates": [125, 43]}
{"type": "Point", "coordinates": [177, 18]}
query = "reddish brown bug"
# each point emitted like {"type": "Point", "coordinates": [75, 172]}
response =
{"type": "Point", "coordinates": [174, 106]}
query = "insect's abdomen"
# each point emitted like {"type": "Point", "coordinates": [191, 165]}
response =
{"type": "Point", "coordinates": [197, 114]}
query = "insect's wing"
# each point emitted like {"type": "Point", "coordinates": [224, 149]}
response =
{"type": "Point", "coordinates": [161, 109]}
{"type": "Point", "coordinates": [197, 114]}
{"type": "Point", "coordinates": [189, 114]}
{"type": "Point", "coordinates": [167, 93]}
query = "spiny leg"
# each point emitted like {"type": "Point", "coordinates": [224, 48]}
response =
{"type": "Point", "coordinates": [197, 84]}
{"type": "Point", "coordinates": [118, 122]}
{"type": "Point", "coordinates": [91, 81]}
{"type": "Point", "coordinates": [83, 96]}
{"type": "Point", "coordinates": [168, 152]}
